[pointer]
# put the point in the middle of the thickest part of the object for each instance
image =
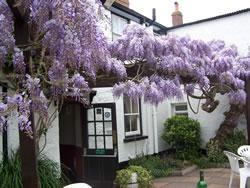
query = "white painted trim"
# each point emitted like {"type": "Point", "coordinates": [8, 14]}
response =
{"type": "Point", "coordinates": [108, 3]}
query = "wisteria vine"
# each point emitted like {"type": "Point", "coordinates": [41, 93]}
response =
{"type": "Point", "coordinates": [68, 49]}
{"type": "Point", "coordinates": [166, 62]}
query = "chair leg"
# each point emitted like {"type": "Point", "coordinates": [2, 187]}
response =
{"type": "Point", "coordinates": [231, 179]}
{"type": "Point", "coordinates": [243, 180]}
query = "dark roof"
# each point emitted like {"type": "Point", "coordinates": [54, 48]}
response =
{"type": "Point", "coordinates": [210, 19]}
{"type": "Point", "coordinates": [136, 17]}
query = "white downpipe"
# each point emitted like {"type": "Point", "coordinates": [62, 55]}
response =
{"type": "Point", "coordinates": [156, 146]}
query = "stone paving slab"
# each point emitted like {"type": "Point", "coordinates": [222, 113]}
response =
{"type": "Point", "coordinates": [216, 178]}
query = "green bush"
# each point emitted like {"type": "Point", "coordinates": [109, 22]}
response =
{"type": "Point", "coordinates": [232, 143]}
{"type": "Point", "coordinates": [123, 178]}
{"type": "Point", "coordinates": [214, 152]}
{"type": "Point", "coordinates": [10, 173]}
{"type": "Point", "coordinates": [144, 178]}
{"type": "Point", "coordinates": [202, 162]}
{"type": "Point", "coordinates": [157, 166]}
{"type": "Point", "coordinates": [183, 135]}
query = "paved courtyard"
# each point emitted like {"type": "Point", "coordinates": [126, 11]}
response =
{"type": "Point", "coordinates": [215, 178]}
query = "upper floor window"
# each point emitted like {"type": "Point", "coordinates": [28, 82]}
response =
{"type": "Point", "coordinates": [180, 109]}
{"type": "Point", "coordinates": [132, 116]}
{"type": "Point", "coordinates": [118, 25]}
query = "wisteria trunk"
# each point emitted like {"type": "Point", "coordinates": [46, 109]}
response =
{"type": "Point", "coordinates": [28, 156]}
{"type": "Point", "coordinates": [227, 127]}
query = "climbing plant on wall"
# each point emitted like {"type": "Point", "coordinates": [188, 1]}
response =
{"type": "Point", "coordinates": [159, 65]}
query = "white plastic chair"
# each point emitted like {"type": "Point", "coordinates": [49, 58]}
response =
{"type": "Point", "coordinates": [78, 185]}
{"type": "Point", "coordinates": [244, 173]}
{"type": "Point", "coordinates": [244, 151]}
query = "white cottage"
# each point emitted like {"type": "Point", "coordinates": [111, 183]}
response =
{"type": "Point", "coordinates": [93, 142]}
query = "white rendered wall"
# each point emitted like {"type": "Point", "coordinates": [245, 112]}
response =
{"type": "Point", "coordinates": [52, 145]}
{"type": "Point", "coordinates": [52, 150]}
{"type": "Point", "coordinates": [210, 122]}
{"type": "Point", "coordinates": [233, 30]}
{"type": "Point", "coordinates": [130, 149]}
{"type": "Point", "coordinates": [12, 134]}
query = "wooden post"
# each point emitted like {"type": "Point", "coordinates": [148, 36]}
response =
{"type": "Point", "coordinates": [28, 147]}
{"type": "Point", "coordinates": [248, 108]}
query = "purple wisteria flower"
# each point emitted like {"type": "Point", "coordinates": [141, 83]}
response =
{"type": "Point", "coordinates": [191, 62]}
{"type": "Point", "coordinates": [59, 78]}
{"type": "Point", "coordinates": [7, 41]}
{"type": "Point", "coordinates": [237, 97]}
{"type": "Point", "coordinates": [38, 99]}
{"type": "Point", "coordinates": [18, 61]}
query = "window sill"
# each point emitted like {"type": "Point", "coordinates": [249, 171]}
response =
{"type": "Point", "coordinates": [134, 138]}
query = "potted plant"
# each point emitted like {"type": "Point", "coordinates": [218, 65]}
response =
{"type": "Point", "coordinates": [133, 177]}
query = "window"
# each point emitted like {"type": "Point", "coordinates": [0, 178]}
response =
{"type": "Point", "coordinates": [118, 25]}
{"type": "Point", "coordinates": [99, 129]}
{"type": "Point", "coordinates": [132, 116]}
{"type": "Point", "coordinates": [180, 109]}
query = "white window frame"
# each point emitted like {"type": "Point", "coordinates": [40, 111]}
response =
{"type": "Point", "coordinates": [121, 18]}
{"type": "Point", "coordinates": [179, 112]}
{"type": "Point", "coordinates": [138, 131]}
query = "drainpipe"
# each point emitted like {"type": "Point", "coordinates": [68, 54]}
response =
{"type": "Point", "coordinates": [156, 146]}
{"type": "Point", "coordinates": [247, 88]}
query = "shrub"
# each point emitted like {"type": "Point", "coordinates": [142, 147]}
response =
{"type": "Point", "coordinates": [183, 135]}
{"type": "Point", "coordinates": [123, 178]}
{"type": "Point", "coordinates": [214, 152]}
{"type": "Point", "coordinates": [144, 178]}
{"type": "Point", "coordinates": [202, 162]}
{"type": "Point", "coordinates": [10, 173]}
{"type": "Point", "coordinates": [154, 164]}
{"type": "Point", "coordinates": [232, 143]}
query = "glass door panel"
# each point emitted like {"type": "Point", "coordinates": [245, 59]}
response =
{"type": "Point", "coordinates": [100, 126]}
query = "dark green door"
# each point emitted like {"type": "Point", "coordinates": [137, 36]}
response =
{"type": "Point", "coordinates": [100, 150]}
